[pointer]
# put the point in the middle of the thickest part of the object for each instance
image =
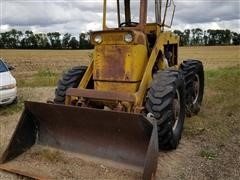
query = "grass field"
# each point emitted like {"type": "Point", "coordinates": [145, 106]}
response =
{"type": "Point", "coordinates": [210, 148]}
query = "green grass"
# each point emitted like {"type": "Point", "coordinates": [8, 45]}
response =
{"type": "Point", "coordinates": [11, 109]}
{"type": "Point", "coordinates": [220, 112]}
{"type": "Point", "coordinates": [208, 154]}
{"type": "Point", "coordinates": [43, 78]}
{"type": "Point", "coordinates": [223, 72]}
{"type": "Point", "coordinates": [48, 155]}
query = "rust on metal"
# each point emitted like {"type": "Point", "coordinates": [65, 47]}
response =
{"type": "Point", "coordinates": [123, 138]}
{"type": "Point", "coordinates": [118, 63]}
{"type": "Point", "coordinates": [113, 64]}
{"type": "Point", "coordinates": [143, 14]}
{"type": "Point", "coordinates": [141, 40]}
{"type": "Point", "coordinates": [105, 95]}
{"type": "Point", "coordinates": [17, 170]}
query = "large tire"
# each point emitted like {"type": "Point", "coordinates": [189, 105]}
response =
{"type": "Point", "coordinates": [70, 79]}
{"type": "Point", "coordinates": [193, 73]}
{"type": "Point", "coordinates": [165, 101]}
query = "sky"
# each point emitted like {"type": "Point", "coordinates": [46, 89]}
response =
{"type": "Point", "coordinates": [75, 16]}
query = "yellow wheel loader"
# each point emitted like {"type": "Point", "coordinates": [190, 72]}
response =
{"type": "Point", "coordinates": [130, 102]}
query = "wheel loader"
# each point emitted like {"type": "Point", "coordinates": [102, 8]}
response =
{"type": "Point", "coordinates": [118, 112]}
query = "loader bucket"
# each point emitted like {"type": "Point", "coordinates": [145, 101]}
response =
{"type": "Point", "coordinates": [49, 135]}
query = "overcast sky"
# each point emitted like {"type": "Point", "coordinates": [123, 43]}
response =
{"type": "Point", "coordinates": [76, 16]}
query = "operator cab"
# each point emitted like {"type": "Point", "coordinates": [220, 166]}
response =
{"type": "Point", "coordinates": [148, 17]}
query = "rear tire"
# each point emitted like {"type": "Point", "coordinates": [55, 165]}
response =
{"type": "Point", "coordinates": [193, 73]}
{"type": "Point", "coordinates": [70, 79]}
{"type": "Point", "coordinates": [166, 102]}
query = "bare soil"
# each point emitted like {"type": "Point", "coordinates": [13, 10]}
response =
{"type": "Point", "coordinates": [51, 163]}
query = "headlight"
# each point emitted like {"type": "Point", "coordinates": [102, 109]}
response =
{"type": "Point", "coordinates": [128, 37]}
{"type": "Point", "coordinates": [11, 86]}
{"type": "Point", "coordinates": [98, 39]}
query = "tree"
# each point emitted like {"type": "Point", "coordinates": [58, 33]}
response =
{"type": "Point", "coordinates": [55, 41]}
{"type": "Point", "coordinates": [73, 43]}
{"type": "Point", "coordinates": [235, 38]}
{"type": "Point", "coordinates": [180, 34]}
{"type": "Point", "coordinates": [199, 36]}
{"type": "Point", "coordinates": [4, 40]}
{"type": "Point", "coordinates": [211, 37]}
{"type": "Point", "coordinates": [42, 41]}
{"type": "Point", "coordinates": [193, 37]}
{"type": "Point", "coordinates": [14, 38]}
{"type": "Point", "coordinates": [29, 41]}
{"type": "Point", "coordinates": [65, 40]}
{"type": "Point", "coordinates": [205, 38]}
{"type": "Point", "coordinates": [227, 37]}
{"type": "Point", "coordinates": [186, 37]}
{"type": "Point", "coordinates": [10, 39]}
{"type": "Point", "coordinates": [84, 41]}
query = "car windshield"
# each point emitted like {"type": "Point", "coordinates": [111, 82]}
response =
{"type": "Point", "coordinates": [3, 67]}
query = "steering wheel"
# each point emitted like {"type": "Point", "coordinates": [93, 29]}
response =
{"type": "Point", "coordinates": [128, 24]}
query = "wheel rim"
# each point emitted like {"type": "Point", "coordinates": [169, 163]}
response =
{"type": "Point", "coordinates": [196, 87]}
{"type": "Point", "coordinates": [176, 109]}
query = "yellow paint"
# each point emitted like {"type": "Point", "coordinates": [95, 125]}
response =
{"type": "Point", "coordinates": [126, 67]}
{"type": "Point", "coordinates": [87, 76]}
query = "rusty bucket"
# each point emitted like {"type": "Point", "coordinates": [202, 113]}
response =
{"type": "Point", "coordinates": [119, 140]}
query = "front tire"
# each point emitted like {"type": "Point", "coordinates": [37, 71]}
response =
{"type": "Point", "coordinates": [166, 102]}
{"type": "Point", "coordinates": [70, 79]}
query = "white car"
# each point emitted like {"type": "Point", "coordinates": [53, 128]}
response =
{"type": "Point", "coordinates": [8, 88]}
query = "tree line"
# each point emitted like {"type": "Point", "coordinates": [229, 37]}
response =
{"type": "Point", "coordinates": [15, 39]}
{"type": "Point", "coordinates": [210, 37]}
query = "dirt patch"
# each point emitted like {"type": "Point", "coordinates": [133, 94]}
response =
{"type": "Point", "coordinates": [28, 62]}
{"type": "Point", "coordinates": [49, 163]}
{"type": "Point", "coordinates": [175, 164]}
{"type": "Point", "coordinates": [40, 94]}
